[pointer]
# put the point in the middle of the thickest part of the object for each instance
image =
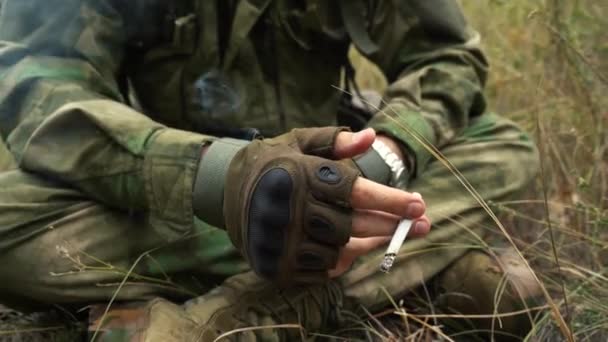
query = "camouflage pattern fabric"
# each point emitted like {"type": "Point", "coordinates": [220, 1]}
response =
{"type": "Point", "coordinates": [505, 160]}
{"type": "Point", "coordinates": [104, 106]}
{"type": "Point", "coordinates": [70, 259]}
{"type": "Point", "coordinates": [63, 100]}
{"type": "Point", "coordinates": [50, 326]}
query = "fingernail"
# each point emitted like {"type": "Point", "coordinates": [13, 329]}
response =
{"type": "Point", "coordinates": [414, 210]}
{"type": "Point", "coordinates": [421, 227]}
{"type": "Point", "coordinates": [417, 195]}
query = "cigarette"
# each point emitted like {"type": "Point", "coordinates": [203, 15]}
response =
{"type": "Point", "coordinates": [396, 242]}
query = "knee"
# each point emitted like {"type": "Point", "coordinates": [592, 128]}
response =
{"type": "Point", "coordinates": [520, 163]}
{"type": "Point", "coordinates": [506, 153]}
{"type": "Point", "coordinates": [477, 284]}
{"type": "Point", "coordinates": [39, 240]}
{"type": "Point", "coordinates": [42, 273]}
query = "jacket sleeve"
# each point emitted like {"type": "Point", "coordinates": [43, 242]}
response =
{"type": "Point", "coordinates": [435, 68]}
{"type": "Point", "coordinates": [62, 115]}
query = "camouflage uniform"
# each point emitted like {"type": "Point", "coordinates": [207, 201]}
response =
{"type": "Point", "coordinates": [102, 123]}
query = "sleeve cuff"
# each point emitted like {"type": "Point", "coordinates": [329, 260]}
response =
{"type": "Point", "coordinates": [170, 166]}
{"type": "Point", "coordinates": [400, 122]}
{"type": "Point", "coordinates": [208, 192]}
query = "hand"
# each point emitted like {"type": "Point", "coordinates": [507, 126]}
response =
{"type": "Point", "coordinates": [372, 229]}
{"type": "Point", "coordinates": [289, 204]}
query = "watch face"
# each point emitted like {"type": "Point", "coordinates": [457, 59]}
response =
{"type": "Point", "coordinates": [394, 163]}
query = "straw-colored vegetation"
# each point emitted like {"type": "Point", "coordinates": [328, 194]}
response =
{"type": "Point", "coordinates": [550, 74]}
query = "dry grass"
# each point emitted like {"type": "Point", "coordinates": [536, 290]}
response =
{"type": "Point", "coordinates": [550, 73]}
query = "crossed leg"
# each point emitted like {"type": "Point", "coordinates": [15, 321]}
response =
{"type": "Point", "coordinates": [70, 251]}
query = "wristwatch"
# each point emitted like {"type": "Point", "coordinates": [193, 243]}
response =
{"type": "Point", "coordinates": [382, 165]}
{"type": "Point", "coordinates": [392, 161]}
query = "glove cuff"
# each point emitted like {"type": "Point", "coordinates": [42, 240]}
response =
{"type": "Point", "coordinates": [208, 192]}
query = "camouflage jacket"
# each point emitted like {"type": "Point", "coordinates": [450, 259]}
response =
{"type": "Point", "coordinates": [115, 98]}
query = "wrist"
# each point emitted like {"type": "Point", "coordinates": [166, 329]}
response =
{"type": "Point", "coordinates": [208, 187]}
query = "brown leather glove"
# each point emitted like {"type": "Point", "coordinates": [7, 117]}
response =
{"type": "Point", "coordinates": [286, 204]}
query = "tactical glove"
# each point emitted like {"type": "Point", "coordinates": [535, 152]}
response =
{"type": "Point", "coordinates": [286, 204]}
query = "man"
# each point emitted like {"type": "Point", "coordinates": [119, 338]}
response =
{"type": "Point", "coordinates": [132, 176]}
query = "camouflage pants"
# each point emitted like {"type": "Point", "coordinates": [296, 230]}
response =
{"type": "Point", "coordinates": [65, 249]}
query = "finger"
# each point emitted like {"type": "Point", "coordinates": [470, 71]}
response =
{"type": "Point", "coordinates": [361, 246]}
{"type": "Point", "coordinates": [421, 227]}
{"type": "Point", "coordinates": [374, 196]}
{"type": "Point", "coordinates": [355, 248]}
{"type": "Point", "coordinates": [349, 144]}
{"type": "Point", "coordinates": [342, 266]}
{"type": "Point", "coordinates": [320, 141]}
{"type": "Point", "coordinates": [370, 223]}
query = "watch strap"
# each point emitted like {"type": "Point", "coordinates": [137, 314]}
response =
{"type": "Point", "coordinates": [208, 192]}
{"type": "Point", "coordinates": [373, 167]}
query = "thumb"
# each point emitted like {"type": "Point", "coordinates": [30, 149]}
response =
{"type": "Point", "coordinates": [349, 144]}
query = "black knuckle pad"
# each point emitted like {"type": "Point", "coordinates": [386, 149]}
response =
{"type": "Point", "coordinates": [268, 219]}
{"type": "Point", "coordinates": [321, 229]}
{"type": "Point", "coordinates": [332, 181]}
{"type": "Point", "coordinates": [311, 261]}
{"type": "Point", "coordinates": [329, 174]}
{"type": "Point", "coordinates": [335, 231]}
{"type": "Point", "coordinates": [316, 257]}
